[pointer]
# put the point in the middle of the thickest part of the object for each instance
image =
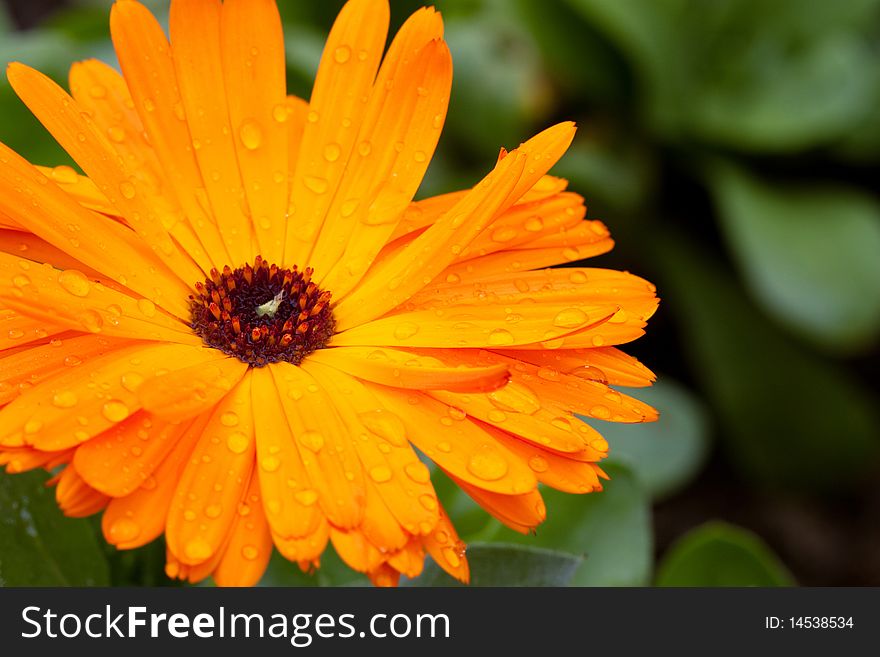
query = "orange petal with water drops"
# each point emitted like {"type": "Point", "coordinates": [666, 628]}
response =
{"type": "Point", "coordinates": [75, 497]}
{"type": "Point", "coordinates": [249, 545]}
{"type": "Point", "coordinates": [68, 298]}
{"type": "Point", "coordinates": [404, 369]}
{"type": "Point", "coordinates": [397, 140]}
{"type": "Point", "coordinates": [551, 468]}
{"type": "Point", "coordinates": [380, 439]}
{"type": "Point", "coordinates": [521, 411]}
{"type": "Point", "coordinates": [122, 458]}
{"type": "Point", "coordinates": [520, 260]}
{"type": "Point", "coordinates": [189, 391]}
{"type": "Point", "coordinates": [80, 188]}
{"type": "Point", "coordinates": [214, 480]}
{"type": "Point", "coordinates": [22, 459]}
{"type": "Point", "coordinates": [255, 74]}
{"type": "Point", "coordinates": [457, 444]}
{"type": "Point", "coordinates": [410, 559]}
{"type": "Point", "coordinates": [29, 367]}
{"type": "Point", "coordinates": [34, 248]}
{"type": "Point", "coordinates": [17, 330]}
{"type": "Point", "coordinates": [75, 130]}
{"type": "Point", "coordinates": [522, 513]}
{"type": "Point", "coordinates": [104, 93]}
{"type": "Point", "coordinates": [198, 64]}
{"type": "Point", "coordinates": [324, 445]}
{"type": "Point", "coordinates": [297, 111]}
{"type": "Point", "coordinates": [604, 364]}
{"type": "Point", "coordinates": [487, 326]}
{"type": "Point", "coordinates": [81, 403]}
{"type": "Point", "coordinates": [147, 64]}
{"type": "Point", "coordinates": [305, 550]}
{"type": "Point", "coordinates": [288, 496]}
{"type": "Point", "coordinates": [447, 549]}
{"type": "Point", "coordinates": [384, 576]}
{"type": "Point", "coordinates": [336, 109]}
{"type": "Point", "coordinates": [140, 516]}
{"type": "Point", "coordinates": [42, 208]}
{"type": "Point", "coordinates": [355, 550]}
{"type": "Point", "coordinates": [412, 269]}
{"type": "Point", "coordinates": [380, 527]}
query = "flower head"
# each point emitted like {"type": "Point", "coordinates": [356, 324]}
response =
{"type": "Point", "coordinates": [238, 327]}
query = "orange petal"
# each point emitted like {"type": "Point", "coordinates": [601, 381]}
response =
{"type": "Point", "coordinates": [249, 545]}
{"type": "Point", "coordinates": [29, 367]}
{"type": "Point", "coordinates": [447, 549]}
{"type": "Point", "coordinates": [288, 496]}
{"type": "Point", "coordinates": [336, 110]}
{"type": "Point", "coordinates": [76, 132]}
{"type": "Point", "coordinates": [214, 481]}
{"type": "Point", "coordinates": [355, 550]}
{"type": "Point", "coordinates": [254, 70]}
{"type": "Point", "coordinates": [17, 330]}
{"type": "Point", "coordinates": [146, 60]}
{"type": "Point", "coordinates": [140, 517]}
{"type": "Point", "coordinates": [98, 242]}
{"type": "Point", "coordinates": [406, 274]}
{"type": "Point", "coordinates": [324, 445]}
{"type": "Point", "coordinates": [78, 404]}
{"type": "Point", "coordinates": [80, 188]}
{"type": "Point", "coordinates": [75, 497]}
{"type": "Point", "coordinates": [70, 299]}
{"type": "Point", "coordinates": [400, 131]}
{"type": "Point", "coordinates": [198, 63]}
{"type": "Point", "coordinates": [606, 364]}
{"type": "Point", "coordinates": [380, 439]}
{"type": "Point", "coordinates": [459, 446]}
{"type": "Point", "coordinates": [404, 369]}
{"type": "Point", "coordinates": [305, 550]}
{"type": "Point", "coordinates": [189, 391]}
{"type": "Point", "coordinates": [521, 513]}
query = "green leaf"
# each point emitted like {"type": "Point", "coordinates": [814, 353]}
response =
{"type": "Point", "coordinates": [718, 554]}
{"type": "Point", "coordinates": [754, 75]}
{"type": "Point", "coordinates": [612, 529]}
{"type": "Point", "coordinates": [664, 455]}
{"type": "Point", "coordinates": [507, 565]}
{"type": "Point", "coordinates": [810, 255]}
{"type": "Point", "coordinates": [787, 416]}
{"type": "Point", "coordinates": [38, 545]}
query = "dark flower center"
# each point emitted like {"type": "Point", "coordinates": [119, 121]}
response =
{"type": "Point", "coordinates": [262, 314]}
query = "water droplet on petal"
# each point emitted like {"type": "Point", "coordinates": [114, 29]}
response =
{"type": "Point", "coordinates": [332, 152]}
{"type": "Point", "coordinates": [64, 175]}
{"type": "Point", "coordinates": [238, 442]}
{"type": "Point", "coordinates": [270, 463]}
{"type": "Point", "coordinates": [198, 549]}
{"type": "Point", "coordinates": [405, 330]}
{"type": "Point", "coordinates": [127, 190]}
{"type": "Point", "coordinates": [385, 425]}
{"type": "Point", "coordinates": [65, 399]}
{"type": "Point", "coordinates": [380, 474]}
{"type": "Point", "coordinates": [487, 466]}
{"type": "Point", "coordinates": [213, 511]}
{"type": "Point", "coordinates": [570, 318]}
{"type": "Point", "coordinates": [124, 530]}
{"type": "Point", "coordinates": [115, 411]}
{"type": "Point", "coordinates": [229, 419]}
{"type": "Point", "coordinates": [418, 472]}
{"type": "Point", "coordinates": [251, 135]}
{"type": "Point", "coordinates": [315, 184]}
{"type": "Point", "coordinates": [501, 337]}
{"type": "Point", "coordinates": [75, 282]}
{"type": "Point", "coordinates": [342, 54]}
{"type": "Point", "coordinates": [306, 497]}
{"type": "Point", "coordinates": [538, 464]}
{"type": "Point", "coordinates": [312, 440]}
{"type": "Point", "coordinates": [250, 552]}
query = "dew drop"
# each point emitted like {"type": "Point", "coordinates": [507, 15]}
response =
{"type": "Point", "coordinates": [380, 474]}
{"type": "Point", "coordinates": [451, 557]}
{"type": "Point", "coordinates": [348, 207]}
{"type": "Point", "coordinates": [365, 148]}
{"type": "Point", "coordinates": [312, 440]}
{"type": "Point", "coordinates": [315, 184]}
{"type": "Point", "coordinates": [237, 442]}
{"type": "Point", "coordinates": [124, 530]}
{"type": "Point", "coordinates": [75, 282]}
{"type": "Point", "coordinates": [598, 341]}
{"type": "Point", "coordinates": [213, 511]}
{"type": "Point", "coordinates": [342, 54]}
{"type": "Point", "coordinates": [127, 190]}
{"type": "Point", "coordinates": [418, 472]}
{"type": "Point", "coordinates": [429, 502]}
{"type": "Point", "coordinates": [503, 234]}
{"type": "Point", "coordinates": [406, 330]}
{"type": "Point", "coordinates": [312, 117]}
{"type": "Point", "coordinates": [534, 224]}
{"type": "Point", "coordinates": [250, 552]}
{"type": "Point", "coordinates": [270, 463]}
{"type": "Point", "coordinates": [251, 135]}
{"type": "Point", "coordinates": [386, 425]}
{"type": "Point", "coordinates": [229, 419]}
{"type": "Point", "coordinates": [332, 152]}
{"type": "Point", "coordinates": [601, 412]}
{"type": "Point", "coordinates": [487, 466]}
{"type": "Point", "coordinates": [65, 399]}
{"type": "Point", "coordinates": [444, 447]}
{"type": "Point", "coordinates": [116, 134]}
{"type": "Point", "coordinates": [501, 337]}
{"type": "Point", "coordinates": [64, 175]}
{"type": "Point", "coordinates": [115, 411]}
{"type": "Point", "coordinates": [198, 549]}
{"type": "Point", "coordinates": [570, 318]}
{"type": "Point", "coordinates": [306, 497]}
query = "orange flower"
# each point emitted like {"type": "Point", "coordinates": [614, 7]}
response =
{"type": "Point", "coordinates": [236, 327]}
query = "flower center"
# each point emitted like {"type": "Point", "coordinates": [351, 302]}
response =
{"type": "Point", "coordinates": [262, 314]}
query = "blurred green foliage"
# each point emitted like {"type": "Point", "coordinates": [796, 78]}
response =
{"type": "Point", "coordinates": [733, 147]}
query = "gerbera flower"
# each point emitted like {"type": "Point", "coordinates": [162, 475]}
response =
{"type": "Point", "coordinates": [237, 327]}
